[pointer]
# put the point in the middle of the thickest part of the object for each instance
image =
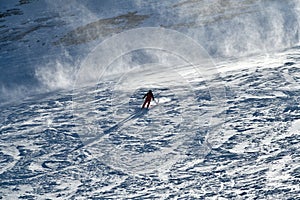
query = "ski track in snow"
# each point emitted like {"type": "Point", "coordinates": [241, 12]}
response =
{"type": "Point", "coordinates": [249, 150]}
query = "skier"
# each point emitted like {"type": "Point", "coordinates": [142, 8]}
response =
{"type": "Point", "coordinates": [148, 96]}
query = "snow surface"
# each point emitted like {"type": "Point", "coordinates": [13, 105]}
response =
{"type": "Point", "coordinates": [225, 123]}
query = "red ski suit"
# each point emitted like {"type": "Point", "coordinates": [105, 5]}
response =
{"type": "Point", "coordinates": [147, 101]}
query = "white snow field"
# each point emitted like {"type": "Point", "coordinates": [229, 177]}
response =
{"type": "Point", "coordinates": [225, 122]}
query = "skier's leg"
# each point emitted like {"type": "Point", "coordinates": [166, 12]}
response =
{"type": "Point", "coordinates": [144, 104]}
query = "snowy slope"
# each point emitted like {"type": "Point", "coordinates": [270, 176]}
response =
{"type": "Point", "coordinates": [225, 124]}
{"type": "Point", "coordinates": [43, 42]}
{"type": "Point", "coordinates": [163, 152]}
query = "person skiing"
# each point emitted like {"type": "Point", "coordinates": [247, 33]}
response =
{"type": "Point", "coordinates": [148, 97]}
